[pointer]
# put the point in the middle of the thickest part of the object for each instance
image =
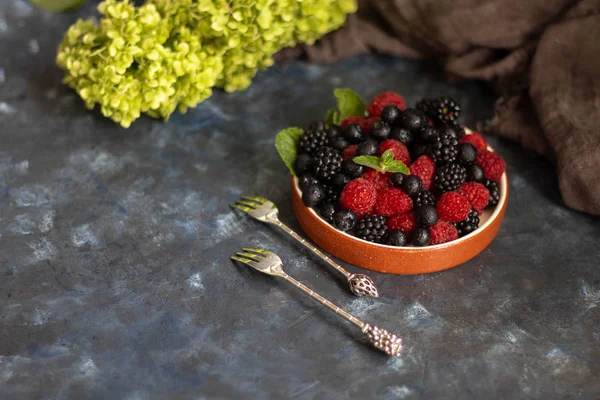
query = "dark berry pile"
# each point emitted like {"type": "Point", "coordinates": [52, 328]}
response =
{"type": "Point", "coordinates": [453, 177]}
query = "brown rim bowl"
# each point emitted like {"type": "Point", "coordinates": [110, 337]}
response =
{"type": "Point", "coordinates": [400, 260]}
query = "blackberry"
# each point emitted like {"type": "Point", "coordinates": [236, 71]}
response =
{"type": "Point", "coordinates": [344, 220]}
{"type": "Point", "coordinates": [372, 229]}
{"type": "Point", "coordinates": [311, 140]}
{"type": "Point", "coordinates": [331, 194]}
{"type": "Point", "coordinates": [425, 198]}
{"type": "Point", "coordinates": [441, 109]}
{"type": "Point", "coordinates": [449, 177]}
{"type": "Point", "coordinates": [380, 130]}
{"type": "Point", "coordinates": [427, 106]}
{"type": "Point", "coordinates": [402, 135]}
{"type": "Point", "coordinates": [468, 225]}
{"type": "Point", "coordinates": [444, 148]}
{"type": "Point", "coordinates": [494, 189]}
{"type": "Point", "coordinates": [326, 162]}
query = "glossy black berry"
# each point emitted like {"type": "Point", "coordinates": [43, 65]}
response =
{"type": "Point", "coordinates": [467, 153]}
{"type": "Point", "coordinates": [427, 135]}
{"type": "Point", "coordinates": [446, 109]}
{"type": "Point", "coordinates": [380, 130]}
{"type": "Point", "coordinates": [390, 114]}
{"type": "Point", "coordinates": [424, 198]}
{"type": "Point", "coordinates": [311, 140]}
{"type": "Point", "coordinates": [397, 179]}
{"type": "Point", "coordinates": [339, 180]}
{"type": "Point", "coordinates": [306, 180]}
{"type": "Point", "coordinates": [475, 173]}
{"type": "Point", "coordinates": [313, 195]}
{"type": "Point", "coordinates": [426, 215]}
{"type": "Point", "coordinates": [369, 147]}
{"type": "Point", "coordinates": [413, 120]}
{"type": "Point", "coordinates": [449, 177]}
{"type": "Point", "coordinates": [302, 164]}
{"type": "Point", "coordinates": [494, 190]}
{"type": "Point", "coordinates": [339, 143]}
{"type": "Point", "coordinates": [372, 229]}
{"type": "Point", "coordinates": [332, 195]}
{"type": "Point", "coordinates": [397, 238]}
{"type": "Point", "coordinates": [417, 150]}
{"type": "Point", "coordinates": [412, 185]}
{"type": "Point", "coordinates": [326, 211]}
{"type": "Point", "coordinates": [344, 220]}
{"type": "Point", "coordinates": [449, 130]}
{"type": "Point", "coordinates": [353, 133]}
{"type": "Point", "coordinates": [352, 169]}
{"type": "Point", "coordinates": [444, 148]}
{"type": "Point", "coordinates": [317, 126]}
{"type": "Point", "coordinates": [326, 162]}
{"type": "Point", "coordinates": [333, 132]}
{"type": "Point", "coordinates": [468, 225]}
{"type": "Point", "coordinates": [401, 134]}
{"type": "Point", "coordinates": [420, 236]}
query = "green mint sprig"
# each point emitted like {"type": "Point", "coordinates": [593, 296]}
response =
{"type": "Point", "coordinates": [286, 143]}
{"type": "Point", "coordinates": [349, 104]}
{"type": "Point", "coordinates": [384, 164]}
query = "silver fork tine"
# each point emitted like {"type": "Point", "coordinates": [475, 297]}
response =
{"type": "Point", "coordinates": [242, 260]}
{"type": "Point", "coordinates": [256, 250]}
{"type": "Point", "coordinates": [249, 255]}
{"type": "Point", "coordinates": [247, 204]}
{"type": "Point", "coordinates": [260, 200]}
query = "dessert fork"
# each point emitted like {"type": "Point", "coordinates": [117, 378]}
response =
{"type": "Point", "coordinates": [269, 263]}
{"type": "Point", "coordinates": [266, 211]}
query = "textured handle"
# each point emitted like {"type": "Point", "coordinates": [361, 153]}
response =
{"type": "Point", "coordinates": [383, 340]}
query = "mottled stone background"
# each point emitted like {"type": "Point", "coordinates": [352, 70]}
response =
{"type": "Point", "coordinates": [115, 279]}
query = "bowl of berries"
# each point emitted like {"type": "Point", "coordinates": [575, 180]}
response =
{"type": "Point", "coordinates": [395, 189]}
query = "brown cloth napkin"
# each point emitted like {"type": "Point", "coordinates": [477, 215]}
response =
{"type": "Point", "coordinates": [542, 57]}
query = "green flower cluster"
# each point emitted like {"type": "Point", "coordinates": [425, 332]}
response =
{"type": "Point", "coordinates": [169, 54]}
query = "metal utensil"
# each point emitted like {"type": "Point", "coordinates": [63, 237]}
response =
{"type": "Point", "coordinates": [269, 263]}
{"type": "Point", "coordinates": [265, 211]}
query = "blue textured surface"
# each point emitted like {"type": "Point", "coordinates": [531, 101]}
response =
{"type": "Point", "coordinates": [115, 281]}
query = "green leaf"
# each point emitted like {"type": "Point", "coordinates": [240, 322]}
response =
{"type": "Point", "coordinates": [286, 143]}
{"type": "Point", "coordinates": [332, 117]}
{"type": "Point", "coordinates": [58, 5]}
{"type": "Point", "coordinates": [349, 104]}
{"type": "Point", "coordinates": [397, 166]}
{"type": "Point", "coordinates": [387, 156]}
{"type": "Point", "coordinates": [368, 161]}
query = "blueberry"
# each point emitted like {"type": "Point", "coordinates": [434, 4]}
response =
{"type": "Point", "coordinates": [402, 135]}
{"type": "Point", "coordinates": [306, 180]}
{"type": "Point", "coordinates": [339, 143]}
{"type": "Point", "coordinates": [397, 238]}
{"type": "Point", "coordinates": [302, 164]}
{"type": "Point", "coordinates": [317, 126]}
{"type": "Point", "coordinates": [352, 169]}
{"type": "Point", "coordinates": [467, 153]}
{"type": "Point", "coordinates": [344, 220]}
{"type": "Point", "coordinates": [413, 120]}
{"type": "Point", "coordinates": [475, 173]}
{"type": "Point", "coordinates": [380, 130]}
{"type": "Point", "coordinates": [417, 150]}
{"type": "Point", "coordinates": [397, 179]}
{"type": "Point", "coordinates": [426, 215]}
{"type": "Point", "coordinates": [353, 133]}
{"type": "Point", "coordinates": [326, 210]}
{"type": "Point", "coordinates": [369, 147]}
{"type": "Point", "coordinates": [412, 185]}
{"type": "Point", "coordinates": [333, 132]}
{"type": "Point", "coordinates": [390, 114]}
{"type": "Point", "coordinates": [420, 236]}
{"type": "Point", "coordinates": [339, 180]}
{"type": "Point", "coordinates": [427, 135]}
{"type": "Point", "coordinates": [313, 195]}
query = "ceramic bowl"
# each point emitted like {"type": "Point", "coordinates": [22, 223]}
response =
{"type": "Point", "coordinates": [400, 260]}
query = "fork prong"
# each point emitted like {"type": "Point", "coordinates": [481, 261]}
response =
{"type": "Point", "coordinates": [247, 204]}
{"type": "Point", "coordinates": [242, 207]}
{"type": "Point", "coordinates": [257, 199]}
{"type": "Point", "coordinates": [242, 260]}
{"type": "Point", "coordinates": [255, 250]}
{"type": "Point", "coordinates": [249, 255]}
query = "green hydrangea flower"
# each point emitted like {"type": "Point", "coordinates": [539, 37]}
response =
{"type": "Point", "coordinates": [169, 54]}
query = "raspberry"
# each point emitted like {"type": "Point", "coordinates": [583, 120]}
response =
{"type": "Point", "coordinates": [404, 222]}
{"type": "Point", "coordinates": [364, 123]}
{"type": "Point", "coordinates": [476, 193]}
{"type": "Point", "coordinates": [383, 99]}
{"type": "Point", "coordinates": [392, 201]}
{"type": "Point", "coordinates": [493, 165]}
{"type": "Point", "coordinates": [358, 196]}
{"type": "Point", "coordinates": [424, 168]}
{"type": "Point", "coordinates": [378, 179]}
{"type": "Point", "coordinates": [400, 151]}
{"type": "Point", "coordinates": [453, 207]}
{"type": "Point", "coordinates": [476, 139]}
{"type": "Point", "coordinates": [442, 232]}
{"type": "Point", "coordinates": [350, 151]}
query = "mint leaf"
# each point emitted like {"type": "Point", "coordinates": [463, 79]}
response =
{"type": "Point", "coordinates": [368, 161]}
{"type": "Point", "coordinates": [286, 143]}
{"type": "Point", "coordinates": [397, 166]}
{"type": "Point", "coordinates": [332, 117]}
{"type": "Point", "coordinates": [387, 156]}
{"type": "Point", "coordinates": [349, 104]}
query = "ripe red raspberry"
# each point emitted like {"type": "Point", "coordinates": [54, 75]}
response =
{"type": "Point", "coordinates": [424, 168]}
{"type": "Point", "coordinates": [405, 222]}
{"type": "Point", "coordinates": [392, 201]}
{"type": "Point", "coordinates": [365, 123]}
{"type": "Point", "coordinates": [350, 151]}
{"type": "Point", "coordinates": [442, 232]}
{"type": "Point", "coordinates": [383, 99]}
{"type": "Point", "coordinates": [493, 165]}
{"type": "Point", "coordinates": [400, 151]}
{"type": "Point", "coordinates": [453, 207]}
{"type": "Point", "coordinates": [476, 193]}
{"type": "Point", "coordinates": [378, 179]}
{"type": "Point", "coordinates": [358, 196]}
{"type": "Point", "coordinates": [476, 139]}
